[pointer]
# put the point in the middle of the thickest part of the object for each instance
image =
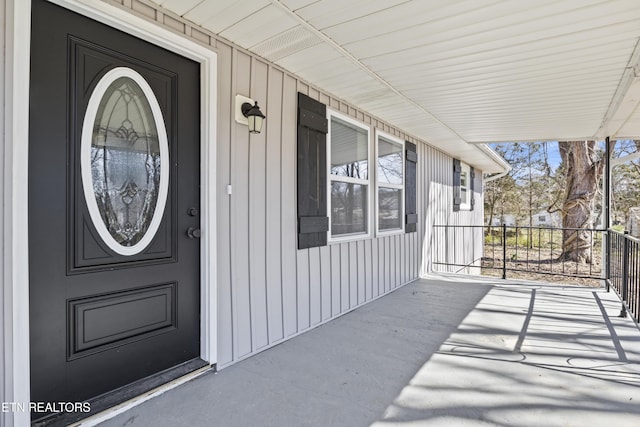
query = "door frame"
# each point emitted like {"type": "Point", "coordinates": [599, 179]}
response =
{"type": "Point", "coordinates": [16, 121]}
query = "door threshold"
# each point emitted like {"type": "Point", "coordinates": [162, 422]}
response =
{"type": "Point", "coordinates": [111, 412]}
{"type": "Point", "coordinates": [117, 401]}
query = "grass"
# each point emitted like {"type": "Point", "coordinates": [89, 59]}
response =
{"type": "Point", "coordinates": [537, 254]}
{"type": "Point", "coordinates": [532, 239]}
{"type": "Point", "coordinates": [524, 238]}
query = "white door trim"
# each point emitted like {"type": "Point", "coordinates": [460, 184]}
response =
{"type": "Point", "coordinates": [153, 33]}
{"type": "Point", "coordinates": [16, 276]}
{"type": "Point", "coordinates": [17, 28]}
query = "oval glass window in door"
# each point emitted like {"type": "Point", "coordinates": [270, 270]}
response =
{"type": "Point", "coordinates": [125, 161]}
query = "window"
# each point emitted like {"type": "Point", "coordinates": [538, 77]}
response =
{"type": "Point", "coordinates": [465, 193]}
{"type": "Point", "coordinates": [542, 218]}
{"type": "Point", "coordinates": [339, 182]}
{"type": "Point", "coordinates": [390, 183]}
{"type": "Point", "coordinates": [349, 175]}
{"type": "Point", "coordinates": [463, 177]}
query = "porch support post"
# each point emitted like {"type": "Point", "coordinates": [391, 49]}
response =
{"type": "Point", "coordinates": [606, 213]}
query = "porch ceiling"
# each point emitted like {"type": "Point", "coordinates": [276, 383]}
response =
{"type": "Point", "coordinates": [454, 72]}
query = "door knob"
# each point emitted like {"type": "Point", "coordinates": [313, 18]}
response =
{"type": "Point", "coordinates": [192, 211]}
{"type": "Point", "coordinates": [194, 233]}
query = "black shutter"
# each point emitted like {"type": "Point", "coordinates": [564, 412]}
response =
{"type": "Point", "coordinates": [411, 160]}
{"type": "Point", "coordinates": [472, 187]}
{"type": "Point", "coordinates": [457, 168]}
{"type": "Point", "coordinates": [313, 222]}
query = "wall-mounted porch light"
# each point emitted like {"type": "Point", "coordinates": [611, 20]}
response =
{"type": "Point", "coordinates": [254, 116]}
{"type": "Point", "coordinates": [248, 113]}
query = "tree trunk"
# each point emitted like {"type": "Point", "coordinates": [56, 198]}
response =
{"type": "Point", "coordinates": [583, 172]}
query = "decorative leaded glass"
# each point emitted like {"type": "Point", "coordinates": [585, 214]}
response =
{"type": "Point", "coordinates": [128, 148]}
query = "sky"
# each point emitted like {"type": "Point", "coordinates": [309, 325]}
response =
{"type": "Point", "coordinates": [554, 154]}
{"type": "Point", "coordinates": [552, 151]}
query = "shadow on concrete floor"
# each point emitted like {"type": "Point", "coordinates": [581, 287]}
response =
{"type": "Point", "coordinates": [445, 351]}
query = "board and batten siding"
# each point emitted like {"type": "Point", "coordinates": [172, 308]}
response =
{"type": "Point", "coordinates": [267, 289]}
{"type": "Point", "coordinates": [454, 245]}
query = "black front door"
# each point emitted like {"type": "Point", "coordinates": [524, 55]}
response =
{"type": "Point", "coordinates": [114, 191]}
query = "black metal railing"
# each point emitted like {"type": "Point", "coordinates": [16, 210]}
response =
{"type": "Point", "coordinates": [504, 249]}
{"type": "Point", "coordinates": [524, 252]}
{"type": "Point", "coordinates": [624, 271]}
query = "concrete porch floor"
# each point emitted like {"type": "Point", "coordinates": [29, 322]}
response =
{"type": "Point", "coordinates": [447, 351]}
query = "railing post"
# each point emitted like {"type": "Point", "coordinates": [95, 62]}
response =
{"type": "Point", "coordinates": [504, 251]}
{"type": "Point", "coordinates": [606, 211]}
{"type": "Point", "coordinates": [606, 236]}
{"type": "Point", "coordinates": [625, 273]}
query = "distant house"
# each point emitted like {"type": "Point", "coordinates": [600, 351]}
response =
{"type": "Point", "coordinates": [539, 219]}
{"type": "Point", "coordinates": [506, 219]}
{"type": "Point", "coordinates": [546, 219]}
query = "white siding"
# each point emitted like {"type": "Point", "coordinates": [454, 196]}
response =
{"type": "Point", "coordinates": [450, 245]}
{"type": "Point", "coordinates": [268, 290]}
{"type": "Point", "coordinates": [275, 290]}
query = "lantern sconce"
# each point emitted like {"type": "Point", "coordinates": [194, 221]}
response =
{"type": "Point", "coordinates": [248, 113]}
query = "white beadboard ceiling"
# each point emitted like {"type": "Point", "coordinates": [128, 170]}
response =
{"type": "Point", "coordinates": [456, 73]}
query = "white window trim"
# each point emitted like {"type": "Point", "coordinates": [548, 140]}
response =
{"type": "Point", "coordinates": [465, 206]}
{"type": "Point", "coordinates": [402, 186]}
{"type": "Point", "coordinates": [330, 178]}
